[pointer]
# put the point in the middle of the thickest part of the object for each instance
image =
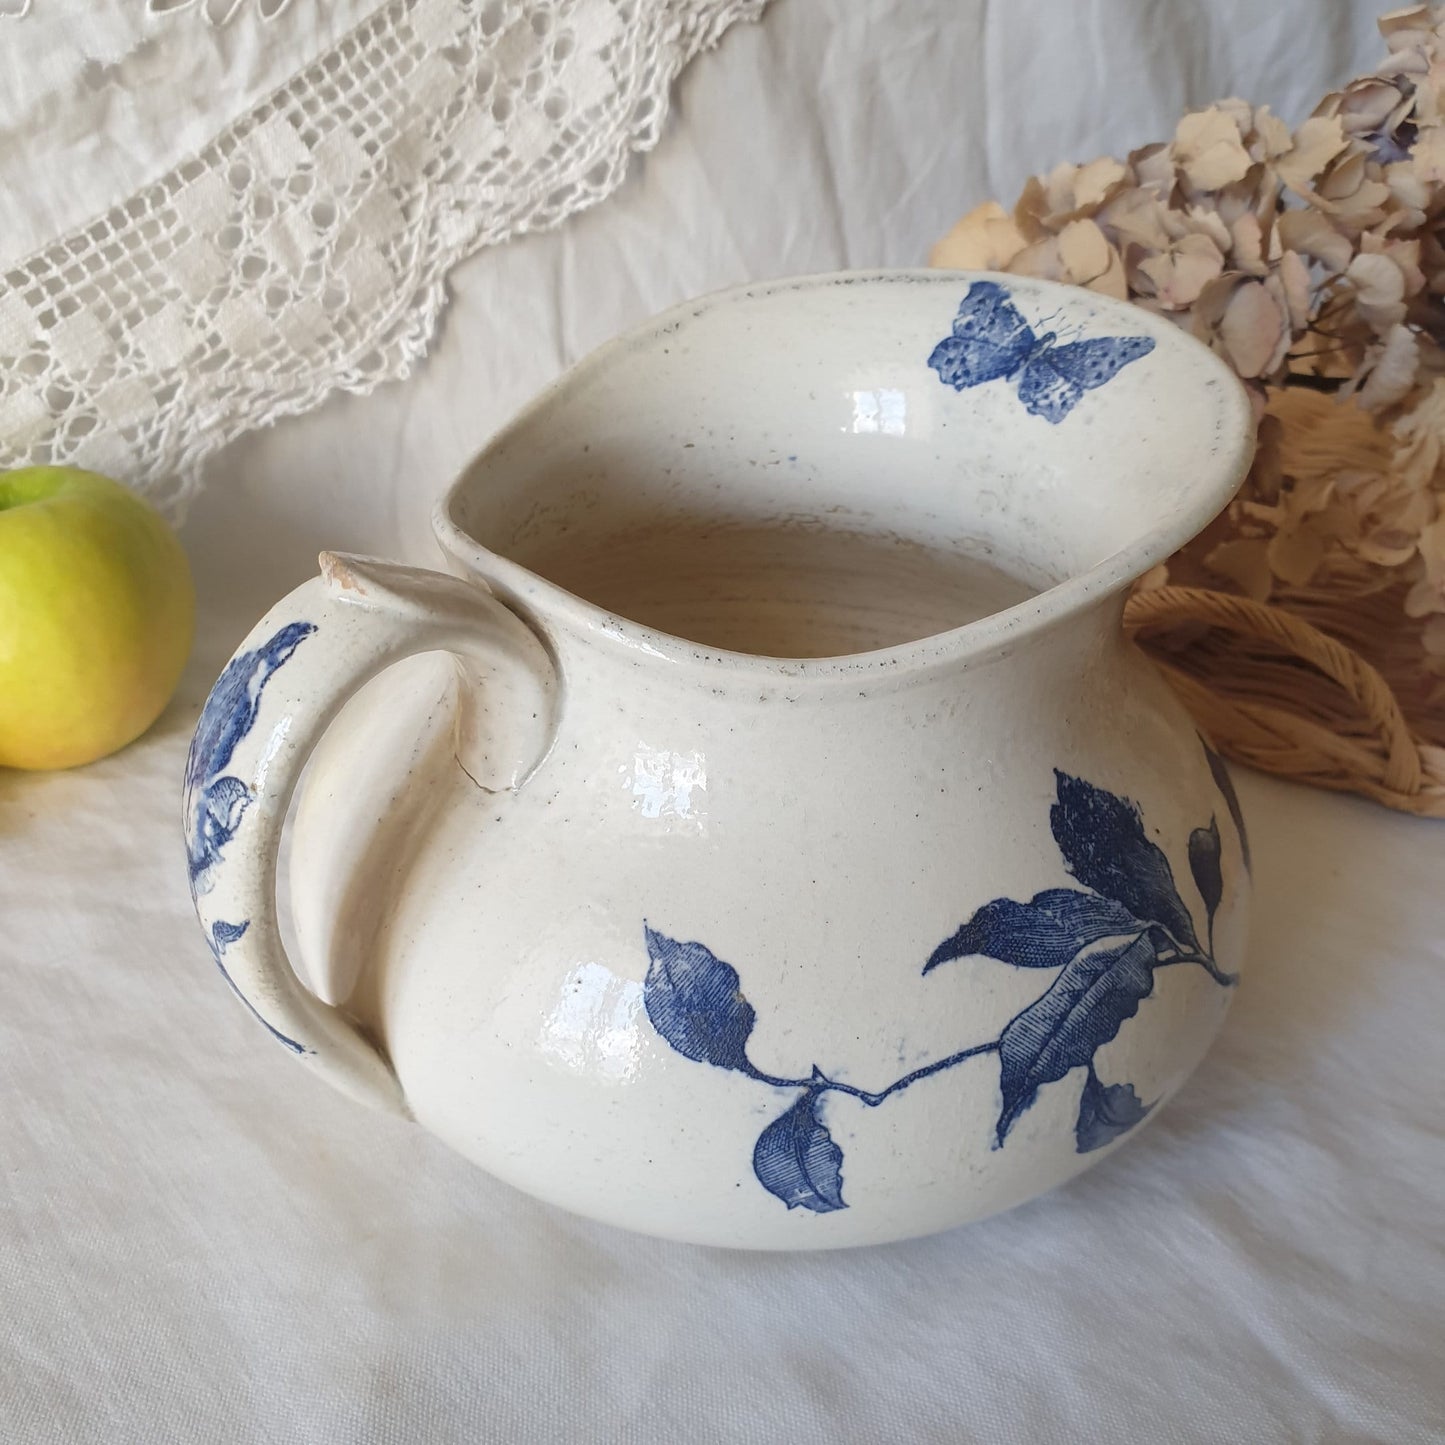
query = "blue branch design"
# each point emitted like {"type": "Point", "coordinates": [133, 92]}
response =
{"type": "Point", "coordinates": [820, 1083]}
{"type": "Point", "coordinates": [1225, 980]}
{"type": "Point", "coordinates": [1105, 942]}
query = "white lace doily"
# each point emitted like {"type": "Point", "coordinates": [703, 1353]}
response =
{"type": "Point", "coordinates": [218, 211]}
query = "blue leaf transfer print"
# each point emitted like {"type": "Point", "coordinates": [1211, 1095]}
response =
{"type": "Point", "coordinates": [1225, 784]}
{"type": "Point", "coordinates": [796, 1159]}
{"type": "Point", "coordinates": [1084, 1007]}
{"type": "Point", "coordinates": [1206, 866]}
{"type": "Point", "coordinates": [991, 340]}
{"type": "Point", "coordinates": [224, 934]}
{"type": "Point", "coordinates": [215, 802]}
{"type": "Point", "coordinates": [1045, 932]}
{"type": "Point", "coordinates": [695, 1002]}
{"type": "Point", "coordinates": [1105, 1112]}
{"type": "Point", "coordinates": [1106, 941]}
{"type": "Point", "coordinates": [1104, 847]}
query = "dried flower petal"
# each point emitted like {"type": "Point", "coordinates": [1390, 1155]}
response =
{"type": "Point", "coordinates": [1208, 149]}
{"type": "Point", "coordinates": [1294, 280]}
{"type": "Point", "coordinates": [1409, 189]}
{"type": "Point", "coordinates": [1387, 513]}
{"type": "Point", "coordinates": [1428, 156]}
{"type": "Point", "coordinates": [1420, 439]}
{"type": "Point", "coordinates": [1316, 143]}
{"type": "Point", "coordinates": [1379, 290]}
{"type": "Point", "coordinates": [1200, 221]}
{"type": "Point", "coordinates": [1067, 193]}
{"type": "Point", "coordinates": [1254, 330]}
{"type": "Point", "coordinates": [1084, 250]}
{"type": "Point", "coordinates": [986, 239]}
{"type": "Point", "coordinates": [1404, 253]}
{"type": "Point", "coordinates": [1335, 344]}
{"type": "Point", "coordinates": [1093, 182]}
{"type": "Point", "coordinates": [1080, 255]}
{"type": "Point", "coordinates": [1154, 166]}
{"type": "Point", "coordinates": [1136, 217]}
{"type": "Point", "coordinates": [1295, 556]}
{"type": "Point", "coordinates": [1406, 64]}
{"type": "Point", "coordinates": [1247, 251]}
{"type": "Point", "coordinates": [1182, 272]}
{"type": "Point", "coordinates": [1240, 111]}
{"type": "Point", "coordinates": [1273, 135]}
{"type": "Point", "coordinates": [1394, 23]}
{"type": "Point", "coordinates": [1031, 208]}
{"type": "Point", "coordinates": [1367, 104]}
{"type": "Point", "coordinates": [1311, 234]}
{"type": "Point", "coordinates": [1349, 192]}
{"type": "Point", "coordinates": [1112, 280]}
{"type": "Point", "coordinates": [1245, 563]}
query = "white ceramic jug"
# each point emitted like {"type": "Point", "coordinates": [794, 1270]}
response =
{"type": "Point", "coordinates": [791, 852]}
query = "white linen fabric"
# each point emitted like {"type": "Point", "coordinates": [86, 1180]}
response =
{"type": "Point", "coordinates": [292, 239]}
{"type": "Point", "coordinates": [199, 1242]}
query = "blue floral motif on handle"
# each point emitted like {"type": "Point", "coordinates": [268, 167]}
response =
{"type": "Point", "coordinates": [216, 801]}
{"type": "Point", "coordinates": [1106, 940]}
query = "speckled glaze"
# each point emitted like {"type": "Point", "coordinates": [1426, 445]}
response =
{"type": "Point", "coordinates": [760, 951]}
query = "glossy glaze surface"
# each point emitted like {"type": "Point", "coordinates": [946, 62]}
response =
{"type": "Point", "coordinates": [832, 871]}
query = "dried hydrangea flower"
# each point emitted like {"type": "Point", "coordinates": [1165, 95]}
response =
{"type": "Point", "coordinates": [1313, 261]}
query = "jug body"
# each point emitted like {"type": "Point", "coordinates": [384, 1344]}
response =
{"type": "Point", "coordinates": [842, 899]}
{"type": "Point", "coordinates": [682, 979]}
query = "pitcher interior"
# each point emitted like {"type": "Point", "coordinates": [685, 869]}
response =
{"type": "Point", "coordinates": [777, 587]}
{"type": "Point", "coordinates": [782, 473]}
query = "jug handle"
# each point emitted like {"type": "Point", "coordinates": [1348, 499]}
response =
{"type": "Point", "coordinates": [277, 695]}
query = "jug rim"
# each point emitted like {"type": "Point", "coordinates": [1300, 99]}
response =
{"type": "Point", "coordinates": [1219, 476]}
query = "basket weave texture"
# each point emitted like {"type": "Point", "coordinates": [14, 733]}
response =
{"type": "Point", "coordinates": [1323, 683]}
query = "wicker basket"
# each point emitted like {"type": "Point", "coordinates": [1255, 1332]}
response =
{"type": "Point", "coordinates": [1324, 683]}
{"type": "Point", "coordinates": [1275, 692]}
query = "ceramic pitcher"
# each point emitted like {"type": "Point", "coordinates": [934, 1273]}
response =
{"type": "Point", "coordinates": [779, 845]}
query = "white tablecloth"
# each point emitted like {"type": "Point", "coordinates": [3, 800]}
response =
{"type": "Point", "coordinates": [199, 1242]}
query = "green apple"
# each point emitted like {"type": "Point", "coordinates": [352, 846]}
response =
{"type": "Point", "coordinates": [96, 616]}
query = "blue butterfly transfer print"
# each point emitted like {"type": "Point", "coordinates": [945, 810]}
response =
{"type": "Point", "coordinates": [1103, 941]}
{"type": "Point", "coordinates": [991, 340]}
